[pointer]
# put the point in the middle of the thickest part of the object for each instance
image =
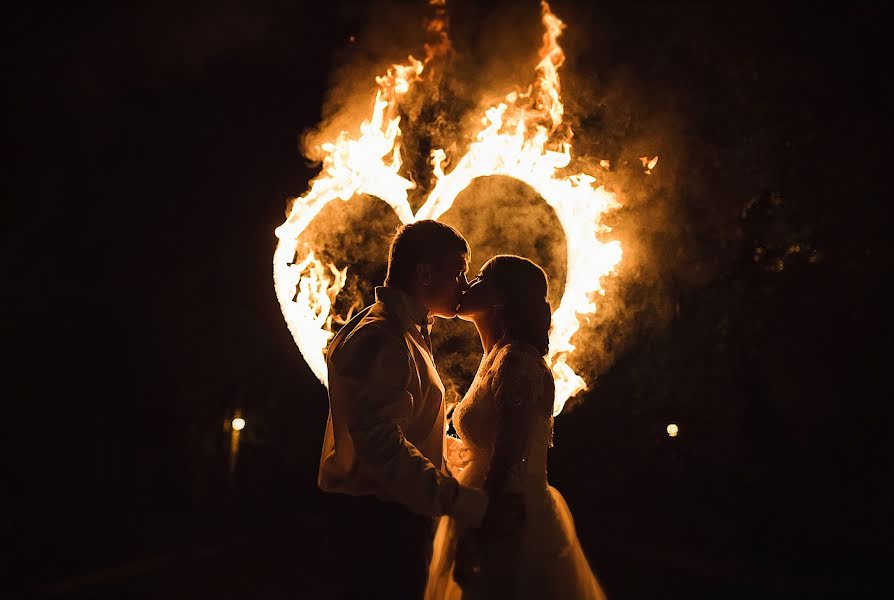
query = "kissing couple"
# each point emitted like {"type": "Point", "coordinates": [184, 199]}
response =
{"type": "Point", "coordinates": [409, 524]}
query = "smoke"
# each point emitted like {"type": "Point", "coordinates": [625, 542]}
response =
{"type": "Point", "coordinates": [386, 34]}
{"type": "Point", "coordinates": [612, 122]}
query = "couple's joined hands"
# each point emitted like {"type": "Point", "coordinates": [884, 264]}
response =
{"type": "Point", "coordinates": [504, 517]}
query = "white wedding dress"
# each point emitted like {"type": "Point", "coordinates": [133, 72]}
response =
{"type": "Point", "coordinates": [505, 423]}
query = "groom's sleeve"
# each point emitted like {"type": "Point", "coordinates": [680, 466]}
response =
{"type": "Point", "coordinates": [376, 367]}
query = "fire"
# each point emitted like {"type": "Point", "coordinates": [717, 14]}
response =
{"type": "Point", "coordinates": [523, 137]}
{"type": "Point", "coordinates": [311, 306]}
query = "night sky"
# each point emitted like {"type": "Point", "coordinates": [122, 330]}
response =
{"type": "Point", "coordinates": [151, 150]}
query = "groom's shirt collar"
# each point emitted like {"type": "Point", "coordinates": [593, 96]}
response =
{"type": "Point", "coordinates": [405, 306]}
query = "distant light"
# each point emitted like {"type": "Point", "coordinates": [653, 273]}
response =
{"type": "Point", "coordinates": [673, 430]}
{"type": "Point", "coordinates": [238, 424]}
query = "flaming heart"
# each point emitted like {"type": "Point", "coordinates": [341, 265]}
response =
{"type": "Point", "coordinates": [515, 141]}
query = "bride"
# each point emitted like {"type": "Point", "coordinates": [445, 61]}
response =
{"type": "Point", "coordinates": [526, 546]}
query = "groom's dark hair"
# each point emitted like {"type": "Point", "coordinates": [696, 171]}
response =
{"type": "Point", "coordinates": [422, 242]}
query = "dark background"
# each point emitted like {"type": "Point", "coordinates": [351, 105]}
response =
{"type": "Point", "coordinates": [150, 151]}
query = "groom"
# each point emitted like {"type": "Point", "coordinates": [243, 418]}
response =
{"type": "Point", "coordinates": [383, 446]}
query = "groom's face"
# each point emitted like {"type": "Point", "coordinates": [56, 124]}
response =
{"type": "Point", "coordinates": [480, 300]}
{"type": "Point", "coordinates": [445, 284]}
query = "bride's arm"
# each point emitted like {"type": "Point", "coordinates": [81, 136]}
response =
{"type": "Point", "coordinates": [517, 387]}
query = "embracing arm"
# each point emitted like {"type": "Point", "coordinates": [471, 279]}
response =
{"type": "Point", "coordinates": [375, 368]}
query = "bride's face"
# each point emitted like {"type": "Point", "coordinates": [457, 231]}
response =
{"type": "Point", "coordinates": [480, 300]}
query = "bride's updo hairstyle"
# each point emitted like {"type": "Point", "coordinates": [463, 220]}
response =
{"type": "Point", "coordinates": [524, 286]}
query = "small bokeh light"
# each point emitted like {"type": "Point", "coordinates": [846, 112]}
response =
{"type": "Point", "coordinates": [673, 430]}
{"type": "Point", "coordinates": [238, 424]}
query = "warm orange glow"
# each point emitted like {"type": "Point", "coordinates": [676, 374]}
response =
{"type": "Point", "coordinates": [523, 137]}
{"type": "Point", "coordinates": [238, 424]}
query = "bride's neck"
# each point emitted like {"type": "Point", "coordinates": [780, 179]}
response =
{"type": "Point", "coordinates": [489, 332]}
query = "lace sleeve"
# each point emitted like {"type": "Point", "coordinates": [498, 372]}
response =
{"type": "Point", "coordinates": [517, 385]}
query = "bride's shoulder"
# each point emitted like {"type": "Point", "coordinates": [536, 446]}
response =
{"type": "Point", "coordinates": [520, 362]}
{"type": "Point", "coordinates": [520, 354]}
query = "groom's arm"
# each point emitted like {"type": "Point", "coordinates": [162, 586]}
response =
{"type": "Point", "coordinates": [377, 368]}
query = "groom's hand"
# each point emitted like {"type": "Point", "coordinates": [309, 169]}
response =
{"type": "Point", "coordinates": [505, 515]}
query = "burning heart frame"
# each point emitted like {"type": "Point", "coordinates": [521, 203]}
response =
{"type": "Point", "coordinates": [515, 141]}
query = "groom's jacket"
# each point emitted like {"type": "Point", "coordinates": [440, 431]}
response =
{"type": "Point", "coordinates": [385, 431]}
